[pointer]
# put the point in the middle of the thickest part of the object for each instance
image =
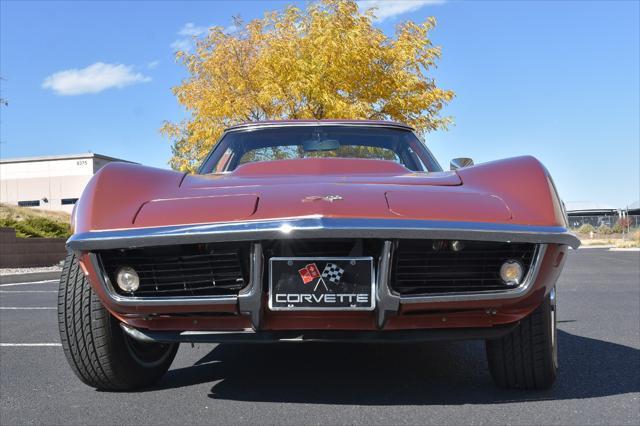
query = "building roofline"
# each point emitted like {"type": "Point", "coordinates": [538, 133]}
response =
{"type": "Point", "coordinates": [287, 123]}
{"type": "Point", "coordinates": [61, 157]}
{"type": "Point", "coordinates": [591, 212]}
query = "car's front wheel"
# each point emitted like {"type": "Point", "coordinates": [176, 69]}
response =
{"type": "Point", "coordinates": [97, 349]}
{"type": "Point", "coordinates": [527, 357]}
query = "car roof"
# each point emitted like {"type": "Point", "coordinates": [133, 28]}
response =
{"type": "Point", "coordinates": [287, 123]}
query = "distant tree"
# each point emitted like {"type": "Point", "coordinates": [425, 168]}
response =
{"type": "Point", "coordinates": [328, 61]}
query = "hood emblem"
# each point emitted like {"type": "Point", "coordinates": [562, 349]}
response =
{"type": "Point", "coordinates": [329, 198]}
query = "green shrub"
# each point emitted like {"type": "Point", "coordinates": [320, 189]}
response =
{"type": "Point", "coordinates": [604, 230]}
{"type": "Point", "coordinates": [586, 228]}
{"type": "Point", "coordinates": [37, 227]}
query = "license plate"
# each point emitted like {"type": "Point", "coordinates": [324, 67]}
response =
{"type": "Point", "coordinates": [321, 284]}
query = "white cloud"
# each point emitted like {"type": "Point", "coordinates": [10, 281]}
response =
{"type": "Point", "coordinates": [187, 33]}
{"type": "Point", "coordinates": [390, 8]}
{"type": "Point", "coordinates": [93, 79]}
{"type": "Point", "coordinates": [190, 30]}
{"type": "Point", "coordinates": [153, 65]}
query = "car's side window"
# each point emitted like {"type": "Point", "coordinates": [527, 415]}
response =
{"type": "Point", "coordinates": [415, 158]}
{"type": "Point", "coordinates": [225, 160]}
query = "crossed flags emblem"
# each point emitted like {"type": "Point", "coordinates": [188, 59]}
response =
{"type": "Point", "coordinates": [331, 272]}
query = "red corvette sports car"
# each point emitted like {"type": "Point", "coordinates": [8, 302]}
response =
{"type": "Point", "coordinates": [314, 231]}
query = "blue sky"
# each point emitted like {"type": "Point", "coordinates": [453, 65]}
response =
{"type": "Point", "coordinates": [557, 80]}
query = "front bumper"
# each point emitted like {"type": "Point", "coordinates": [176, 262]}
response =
{"type": "Point", "coordinates": [250, 301]}
{"type": "Point", "coordinates": [319, 227]}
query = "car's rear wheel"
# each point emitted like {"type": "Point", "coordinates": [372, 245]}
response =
{"type": "Point", "coordinates": [527, 357]}
{"type": "Point", "coordinates": [97, 349]}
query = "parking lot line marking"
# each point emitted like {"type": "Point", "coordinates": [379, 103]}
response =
{"type": "Point", "coordinates": [28, 291]}
{"type": "Point", "coordinates": [29, 283]}
{"type": "Point", "coordinates": [25, 307]}
{"type": "Point", "coordinates": [30, 344]}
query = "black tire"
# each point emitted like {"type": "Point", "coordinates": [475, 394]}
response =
{"type": "Point", "coordinates": [97, 349]}
{"type": "Point", "coordinates": [527, 357]}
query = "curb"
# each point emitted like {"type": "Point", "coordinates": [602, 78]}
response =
{"type": "Point", "coordinates": [29, 277]}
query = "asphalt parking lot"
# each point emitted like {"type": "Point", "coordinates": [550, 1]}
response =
{"type": "Point", "coordinates": [435, 383]}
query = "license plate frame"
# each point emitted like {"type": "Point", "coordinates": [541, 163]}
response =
{"type": "Point", "coordinates": [358, 277]}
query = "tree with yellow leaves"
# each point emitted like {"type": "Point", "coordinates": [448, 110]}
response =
{"type": "Point", "coordinates": [328, 61]}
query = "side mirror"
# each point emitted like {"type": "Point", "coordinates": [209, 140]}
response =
{"type": "Point", "coordinates": [458, 163]}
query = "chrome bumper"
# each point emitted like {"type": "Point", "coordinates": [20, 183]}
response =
{"type": "Point", "coordinates": [319, 227]}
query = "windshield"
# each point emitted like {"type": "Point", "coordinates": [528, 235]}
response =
{"type": "Point", "coordinates": [294, 142]}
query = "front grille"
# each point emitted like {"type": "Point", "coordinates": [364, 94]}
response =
{"type": "Point", "coordinates": [432, 266]}
{"type": "Point", "coordinates": [184, 270]}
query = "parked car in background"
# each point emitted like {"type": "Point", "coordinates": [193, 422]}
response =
{"type": "Point", "coordinates": [314, 231]}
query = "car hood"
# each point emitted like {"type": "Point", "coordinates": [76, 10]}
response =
{"type": "Point", "coordinates": [508, 191]}
{"type": "Point", "coordinates": [329, 188]}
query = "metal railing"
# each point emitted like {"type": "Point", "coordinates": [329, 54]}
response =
{"type": "Point", "coordinates": [610, 221]}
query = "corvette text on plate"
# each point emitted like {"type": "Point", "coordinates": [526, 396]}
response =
{"type": "Point", "coordinates": [323, 286]}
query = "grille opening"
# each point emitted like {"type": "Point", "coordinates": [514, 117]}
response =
{"type": "Point", "coordinates": [432, 266]}
{"type": "Point", "coordinates": [183, 270]}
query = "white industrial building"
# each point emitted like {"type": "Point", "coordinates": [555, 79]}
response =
{"type": "Point", "coordinates": [49, 183]}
